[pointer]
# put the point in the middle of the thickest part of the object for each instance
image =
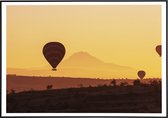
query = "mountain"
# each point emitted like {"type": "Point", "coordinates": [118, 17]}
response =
{"type": "Point", "coordinates": [81, 59]}
{"type": "Point", "coordinates": [85, 60]}
{"type": "Point", "coordinates": [81, 64]}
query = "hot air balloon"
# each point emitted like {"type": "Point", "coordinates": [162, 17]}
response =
{"type": "Point", "coordinates": [54, 53]}
{"type": "Point", "coordinates": [141, 74]}
{"type": "Point", "coordinates": [159, 49]}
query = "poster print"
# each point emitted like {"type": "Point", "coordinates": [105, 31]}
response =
{"type": "Point", "coordinates": [78, 58]}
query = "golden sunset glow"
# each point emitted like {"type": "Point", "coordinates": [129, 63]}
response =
{"type": "Point", "coordinates": [121, 35]}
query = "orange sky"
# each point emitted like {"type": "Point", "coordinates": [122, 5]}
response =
{"type": "Point", "coordinates": [123, 35]}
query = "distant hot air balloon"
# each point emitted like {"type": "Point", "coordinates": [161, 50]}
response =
{"type": "Point", "coordinates": [159, 49]}
{"type": "Point", "coordinates": [141, 74]}
{"type": "Point", "coordinates": [54, 53]}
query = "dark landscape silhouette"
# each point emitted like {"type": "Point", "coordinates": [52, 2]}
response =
{"type": "Point", "coordinates": [82, 95]}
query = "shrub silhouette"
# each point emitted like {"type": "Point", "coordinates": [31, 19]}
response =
{"type": "Point", "coordinates": [12, 91]}
{"type": "Point", "coordinates": [49, 87]}
{"type": "Point", "coordinates": [137, 82]}
{"type": "Point", "coordinates": [123, 83]}
{"type": "Point", "coordinates": [104, 85]}
{"type": "Point", "coordinates": [156, 85]}
{"type": "Point", "coordinates": [80, 85]}
{"type": "Point", "coordinates": [113, 82]}
{"type": "Point", "coordinates": [31, 89]}
{"type": "Point", "coordinates": [99, 85]}
{"type": "Point", "coordinates": [90, 86]}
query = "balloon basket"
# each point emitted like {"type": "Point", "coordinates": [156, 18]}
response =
{"type": "Point", "coordinates": [54, 69]}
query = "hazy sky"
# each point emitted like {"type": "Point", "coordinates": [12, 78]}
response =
{"type": "Point", "coordinates": [124, 35]}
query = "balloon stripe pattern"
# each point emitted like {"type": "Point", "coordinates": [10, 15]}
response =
{"type": "Point", "coordinates": [59, 47]}
{"type": "Point", "coordinates": [59, 54]}
{"type": "Point", "coordinates": [54, 53]}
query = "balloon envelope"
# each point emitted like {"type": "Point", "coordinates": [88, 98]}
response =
{"type": "Point", "coordinates": [54, 53]}
{"type": "Point", "coordinates": [159, 50]}
{"type": "Point", "coordinates": [141, 74]}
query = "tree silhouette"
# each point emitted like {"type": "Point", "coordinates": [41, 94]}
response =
{"type": "Point", "coordinates": [113, 82]}
{"type": "Point", "coordinates": [156, 85]}
{"type": "Point", "coordinates": [137, 82]}
{"type": "Point", "coordinates": [49, 87]}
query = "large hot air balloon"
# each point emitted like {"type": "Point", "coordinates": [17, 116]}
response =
{"type": "Point", "coordinates": [159, 49]}
{"type": "Point", "coordinates": [54, 53]}
{"type": "Point", "coordinates": [141, 74]}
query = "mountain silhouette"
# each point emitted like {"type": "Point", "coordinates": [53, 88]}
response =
{"type": "Point", "coordinates": [85, 60]}
{"type": "Point", "coordinates": [80, 64]}
{"type": "Point", "coordinates": [79, 59]}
